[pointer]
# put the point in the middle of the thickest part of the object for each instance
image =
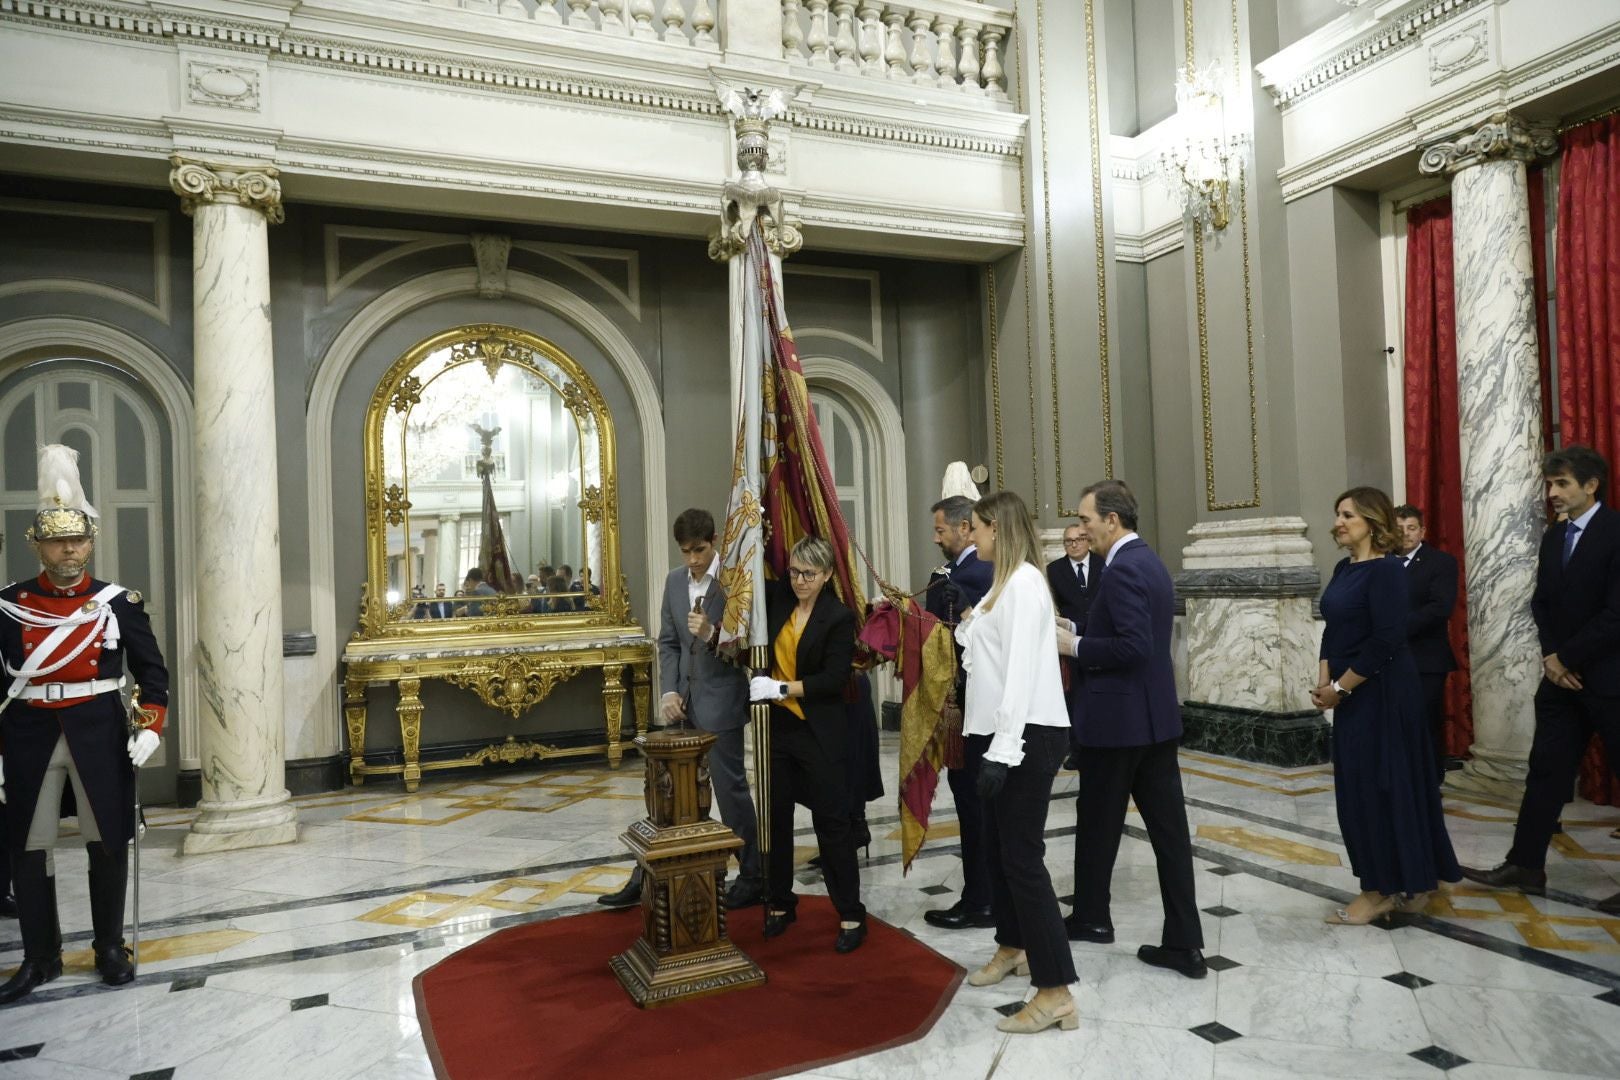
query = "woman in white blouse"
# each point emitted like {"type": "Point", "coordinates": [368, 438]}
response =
{"type": "Point", "coordinates": [1015, 695]}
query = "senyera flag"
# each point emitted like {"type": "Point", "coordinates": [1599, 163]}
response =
{"type": "Point", "coordinates": [492, 555]}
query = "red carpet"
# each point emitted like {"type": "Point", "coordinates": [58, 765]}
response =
{"type": "Point", "coordinates": [539, 1001]}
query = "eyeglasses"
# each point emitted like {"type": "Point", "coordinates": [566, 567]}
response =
{"type": "Point", "coordinates": [1073, 540]}
{"type": "Point", "coordinates": [802, 575]}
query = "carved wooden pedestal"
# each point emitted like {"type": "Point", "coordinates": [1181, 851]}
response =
{"type": "Point", "coordinates": [683, 951]}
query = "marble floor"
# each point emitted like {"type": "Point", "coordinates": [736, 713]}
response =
{"type": "Point", "coordinates": [297, 961]}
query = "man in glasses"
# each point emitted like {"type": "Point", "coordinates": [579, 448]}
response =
{"type": "Point", "coordinates": [1073, 577]}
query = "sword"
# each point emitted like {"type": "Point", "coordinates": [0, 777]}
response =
{"type": "Point", "coordinates": [135, 843]}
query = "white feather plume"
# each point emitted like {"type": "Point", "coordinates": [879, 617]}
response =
{"type": "Point", "coordinates": [959, 481]}
{"type": "Point", "coordinates": [59, 484]}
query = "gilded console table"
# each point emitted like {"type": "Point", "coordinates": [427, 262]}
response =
{"type": "Point", "coordinates": [512, 678]}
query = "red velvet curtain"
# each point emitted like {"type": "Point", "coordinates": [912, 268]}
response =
{"type": "Point", "coordinates": [1433, 456]}
{"type": "Point", "coordinates": [1589, 325]}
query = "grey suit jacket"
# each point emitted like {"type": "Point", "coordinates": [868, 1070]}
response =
{"type": "Point", "coordinates": [716, 692]}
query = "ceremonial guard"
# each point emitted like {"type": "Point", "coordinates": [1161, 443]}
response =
{"type": "Point", "coordinates": [67, 640]}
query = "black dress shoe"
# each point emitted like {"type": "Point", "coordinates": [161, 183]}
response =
{"type": "Point", "coordinates": [1508, 876]}
{"type": "Point", "coordinates": [776, 922]}
{"type": "Point", "coordinates": [113, 962]}
{"type": "Point", "coordinates": [1611, 906]}
{"type": "Point", "coordinates": [745, 892]}
{"type": "Point", "coordinates": [629, 896]}
{"type": "Point", "coordinates": [1079, 931]}
{"type": "Point", "coordinates": [30, 974]}
{"type": "Point", "coordinates": [850, 938]}
{"type": "Point", "coordinates": [960, 917]}
{"type": "Point", "coordinates": [8, 906]}
{"type": "Point", "coordinates": [1190, 962]}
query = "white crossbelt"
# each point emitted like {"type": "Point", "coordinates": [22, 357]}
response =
{"type": "Point", "coordinates": [66, 691]}
{"type": "Point", "coordinates": [44, 660]}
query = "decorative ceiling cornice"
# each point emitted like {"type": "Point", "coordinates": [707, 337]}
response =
{"type": "Point", "coordinates": [1389, 36]}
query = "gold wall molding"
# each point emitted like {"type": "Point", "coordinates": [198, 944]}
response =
{"type": "Point", "coordinates": [1211, 502]}
{"type": "Point", "coordinates": [1046, 244]}
{"type": "Point", "coordinates": [995, 379]}
{"type": "Point", "coordinates": [1029, 340]}
{"type": "Point", "coordinates": [1106, 395]}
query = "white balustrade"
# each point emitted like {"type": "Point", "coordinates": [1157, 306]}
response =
{"type": "Point", "coordinates": [947, 44]}
{"type": "Point", "coordinates": [683, 23]}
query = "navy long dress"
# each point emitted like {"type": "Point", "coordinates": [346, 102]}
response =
{"type": "Point", "coordinates": [1383, 761]}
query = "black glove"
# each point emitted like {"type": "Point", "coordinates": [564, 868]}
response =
{"type": "Point", "coordinates": [992, 778]}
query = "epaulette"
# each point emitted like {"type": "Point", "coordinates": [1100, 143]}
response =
{"type": "Point", "coordinates": [133, 596]}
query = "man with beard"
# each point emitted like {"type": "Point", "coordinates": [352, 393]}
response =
{"type": "Point", "coordinates": [952, 590]}
{"type": "Point", "coordinates": [66, 640]}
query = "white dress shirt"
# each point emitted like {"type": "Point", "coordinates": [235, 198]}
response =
{"type": "Point", "coordinates": [1079, 567]}
{"type": "Point", "coordinates": [1009, 654]}
{"type": "Point", "coordinates": [1413, 553]}
{"type": "Point", "coordinates": [700, 586]}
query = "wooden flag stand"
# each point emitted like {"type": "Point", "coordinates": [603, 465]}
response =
{"type": "Point", "coordinates": [683, 951]}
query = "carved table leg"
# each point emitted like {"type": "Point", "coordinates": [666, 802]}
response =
{"type": "Point", "coordinates": [642, 675]}
{"type": "Point", "coordinates": [354, 716]}
{"type": "Point", "coordinates": [613, 710]}
{"type": "Point", "coordinates": [410, 729]}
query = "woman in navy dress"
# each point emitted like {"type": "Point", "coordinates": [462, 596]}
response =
{"type": "Point", "coordinates": [1383, 762]}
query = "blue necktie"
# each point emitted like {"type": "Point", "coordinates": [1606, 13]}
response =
{"type": "Point", "coordinates": [1569, 540]}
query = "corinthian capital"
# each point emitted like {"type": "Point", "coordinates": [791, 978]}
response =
{"type": "Point", "coordinates": [253, 186]}
{"type": "Point", "coordinates": [1504, 137]}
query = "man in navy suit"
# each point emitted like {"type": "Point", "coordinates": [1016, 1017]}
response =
{"type": "Point", "coordinates": [1128, 728]}
{"type": "Point", "coordinates": [1074, 577]}
{"type": "Point", "coordinates": [1431, 579]}
{"type": "Point", "coordinates": [1576, 606]}
{"type": "Point", "coordinates": [953, 588]}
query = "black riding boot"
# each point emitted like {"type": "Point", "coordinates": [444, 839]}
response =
{"type": "Point", "coordinates": [109, 874]}
{"type": "Point", "coordinates": [36, 914]}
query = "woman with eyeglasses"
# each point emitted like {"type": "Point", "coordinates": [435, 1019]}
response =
{"type": "Point", "coordinates": [812, 645]}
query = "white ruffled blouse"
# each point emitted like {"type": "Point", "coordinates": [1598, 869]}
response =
{"type": "Point", "coordinates": [1010, 656]}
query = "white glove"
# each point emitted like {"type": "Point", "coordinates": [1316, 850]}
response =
{"type": "Point", "coordinates": [141, 745]}
{"type": "Point", "coordinates": [2, 781]}
{"type": "Point", "coordinates": [764, 688]}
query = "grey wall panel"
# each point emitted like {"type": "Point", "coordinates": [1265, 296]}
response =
{"type": "Point", "coordinates": [1177, 493]}
{"type": "Point", "coordinates": [1156, 28]}
{"type": "Point", "coordinates": [1361, 332]}
{"type": "Point", "coordinates": [1118, 61]}
{"type": "Point", "coordinates": [1132, 354]}
{"type": "Point", "coordinates": [695, 333]}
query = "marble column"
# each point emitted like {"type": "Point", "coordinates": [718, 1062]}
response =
{"type": "Point", "coordinates": [1252, 642]}
{"type": "Point", "coordinates": [450, 569]}
{"type": "Point", "coordinates": [240, 720]}
{"type": "Point", "coordinates": [1499, 409]}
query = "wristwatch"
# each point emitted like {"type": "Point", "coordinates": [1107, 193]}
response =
{"type": "Point", "coordinates": [1341, 691]}
{"type": "Point", "coordinates": [781, 690]}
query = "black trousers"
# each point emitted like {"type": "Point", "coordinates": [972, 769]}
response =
{"type": "Point", "coordinates": [1026, 906]}
{"type": "Point", "coordinates": [1434, 711]}
{"type": "Point", "coordinates": [1565, 723]}
{"type": "Point", "coordinates": [1110, 777]}
{"type": "Point", "coordinates": [803, 772]}
{"type": "Point", "coordinates": [964, 783]}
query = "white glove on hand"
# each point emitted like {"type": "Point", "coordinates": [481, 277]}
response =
{"type": "Point", "coordinates": [2, 781]}
{"type": "Point", "coordinates": [764, 688]}
{"type": "Point", "coordinates": [141, 745]}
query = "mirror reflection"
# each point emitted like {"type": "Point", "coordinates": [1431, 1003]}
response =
{"type": "Point", "coordinates": [485, 463]}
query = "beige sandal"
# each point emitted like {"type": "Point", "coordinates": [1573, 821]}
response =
{"type": "Point", "coordinates": [1380, 910]}
{"type": "Point", "coordinates": [1033, 1018]}
{"type": "Point", "coordinates": [997, 970]}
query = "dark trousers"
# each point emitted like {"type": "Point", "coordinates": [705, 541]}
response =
{"type": "Point", "coordinates": [5, 855]}
{"type": "Point", "coordinates": [802, 771]}
{"type": "Point", "coordinates": [1565, 723]}
{"type": "Point", "coordinates": [729, 776]}
{"type": "Point", "coordinates": [1026, 907]}
{"type": "Point", "coordinates": [1109, 778]}
{"type": "Point", "coordinates": [970, 819]}
{"type": "Point", "coordinates": [1434, 711]}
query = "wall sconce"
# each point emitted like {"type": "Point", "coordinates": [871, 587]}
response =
{"type": "Point", "coordinates": [1204, 158]}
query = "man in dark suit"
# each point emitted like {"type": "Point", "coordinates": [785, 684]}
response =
{"type": "Point", "coordinates": [700, 688]}
{"type": "Point", "coordinates": [1431, 579]}
{"type": "Point", "coordinates": [953, 588]}
{"type": "Point", "coordinates": [1129, 726]}
{"type": "Point", "coordinates": [1576, 606]}
{"type": "Point", "coordinates": [1073, 579]}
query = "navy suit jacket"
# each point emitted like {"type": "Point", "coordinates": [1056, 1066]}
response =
{"type": "Point", "coordinates": [1577, 607]}
{"type": "Point", "coordinates": [1073, 601]}
{"type": "Point", "coordinates": [1127, 695]}
{"type": "Point", "coordinates": [1431, 581]}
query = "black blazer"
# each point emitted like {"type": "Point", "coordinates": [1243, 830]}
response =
{"type": "Point", "coordinates": [823, 661]}
{"type": "Point", "coordinates": [1431, 580]}
{"type": "Point", "coordinates": [1072, 601]}
{"type": "Point", "coordinates": [1577, 608]}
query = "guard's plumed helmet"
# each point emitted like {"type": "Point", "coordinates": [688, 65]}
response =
{"type": "Point", "coordinates": [64, 512]}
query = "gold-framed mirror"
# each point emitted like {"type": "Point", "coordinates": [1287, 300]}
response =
{"type": "Point", "coordinates": [491, 492]}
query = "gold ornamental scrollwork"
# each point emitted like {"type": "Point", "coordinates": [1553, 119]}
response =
{"type": "Point", "coordinates": [513, 684]}
{"type": "Point", "coordinates": [408, 394]}
{"type": "Point", "coordinates": [395, 504]}
{"type": "Point", "coordinates": [591, 503]}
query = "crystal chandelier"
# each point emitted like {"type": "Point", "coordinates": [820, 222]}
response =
{"type": "Point", "coordinates": [1204, 158]}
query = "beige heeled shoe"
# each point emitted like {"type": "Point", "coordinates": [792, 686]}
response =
{"type": "Point", "coordinates": [1414, 904]}
{"type": "Point", "coordinates": [1379, 910]}
{"type": "Point", "coordinates": [1033, 1018]}
{"type": "Point", "coordinates": [997, 970]}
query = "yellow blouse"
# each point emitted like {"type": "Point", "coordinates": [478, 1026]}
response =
{"type": "Point", "coordinates": [785, 664]}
